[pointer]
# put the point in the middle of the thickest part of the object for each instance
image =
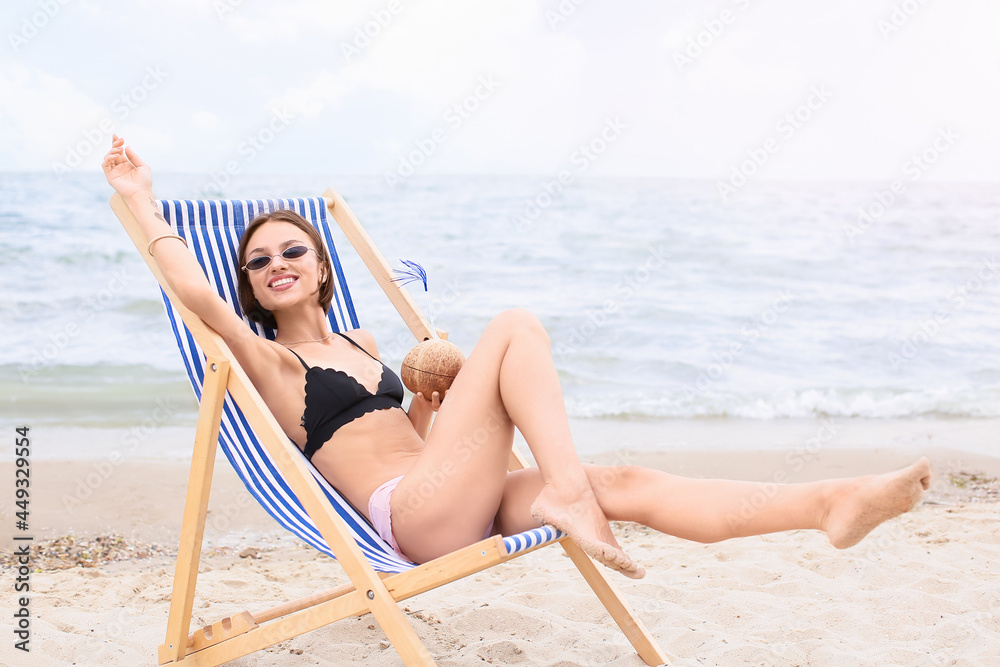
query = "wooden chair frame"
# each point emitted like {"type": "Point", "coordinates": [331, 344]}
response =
{"type": "Point", "coordinates": [369, 591]}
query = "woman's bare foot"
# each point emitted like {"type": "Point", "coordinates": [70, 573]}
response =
{"type": "Point", "coordinates": [861, 504]}
{"type": "Point", "coordinates": [580, 516]}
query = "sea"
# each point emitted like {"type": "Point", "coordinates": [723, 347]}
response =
{"type": "Point", "coordinates": [662, 300]}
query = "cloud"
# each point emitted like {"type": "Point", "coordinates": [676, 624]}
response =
{"type": "Point", "coordinates": [367, 81]}
{"type": "Point", "coordinates": [323, 90]}
{"type": "Point", "coordinates": [44, 118]}
{"type": "Point", "coordinates": [205, 120]}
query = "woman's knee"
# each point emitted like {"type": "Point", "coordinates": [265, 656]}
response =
{"type": "Point", "coordinates": [519, 321]}
{"type": "Point", "coordinates": [610, 481]}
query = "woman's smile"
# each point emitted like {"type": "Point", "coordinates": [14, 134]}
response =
{"type": "Point", "coordinates": [282, 282]}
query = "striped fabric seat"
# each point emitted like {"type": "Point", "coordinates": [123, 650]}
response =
{"type": "Point", "coordinates": [212, 230]}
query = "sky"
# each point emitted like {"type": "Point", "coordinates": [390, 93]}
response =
{"type": "Point", "coordinates": [854, 90]}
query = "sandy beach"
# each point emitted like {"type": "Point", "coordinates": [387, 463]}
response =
{"type": "Point", "coordinates": [921, 590]}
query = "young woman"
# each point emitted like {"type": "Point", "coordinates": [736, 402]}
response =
{"type": "Point", "coordinates": [427, 490]}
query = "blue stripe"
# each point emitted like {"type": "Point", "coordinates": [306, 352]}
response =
{"type": "Point", "coordinates": [342, 292]}
{"type": "Point", "coordinates": [531, 538]}
{"type": "Point", "coordinates": [184, 357]}
{"type": "Point", "coordinates": [224, 252]}
{"type": "Point", "coordinates": [257, 465]}
{"type": "Point", "coordinates": [219, 272]}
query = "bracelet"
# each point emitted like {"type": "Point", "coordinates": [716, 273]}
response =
{"type": "Point", "coordinates": [149, 248]}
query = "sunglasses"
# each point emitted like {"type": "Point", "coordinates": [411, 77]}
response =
{"type": "Point", "coordinates": [294, 252]}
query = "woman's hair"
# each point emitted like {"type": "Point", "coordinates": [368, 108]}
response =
{"type": "Point", "coordinates": [248, 302]}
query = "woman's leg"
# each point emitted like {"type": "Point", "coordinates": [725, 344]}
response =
{"type": "Point", "coordinates": [710, 510]}
{"type": "Point", "coordinates": [454, 490]}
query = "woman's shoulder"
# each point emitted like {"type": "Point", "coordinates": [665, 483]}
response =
{"type": "Point", "coordinates": [260, 356]}
{"type": "Point", "coordinates": [365, 339]}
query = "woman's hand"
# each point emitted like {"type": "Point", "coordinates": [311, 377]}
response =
{"type": "Point", "coordinates": [125, 171]}
{"type": "Point", "coordinates": [421, 411]}
{"type": "Point", "coordinates": [434, 403]}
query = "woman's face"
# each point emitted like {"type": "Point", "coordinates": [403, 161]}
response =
{"type": "Point", "coordinates": [283, 282]}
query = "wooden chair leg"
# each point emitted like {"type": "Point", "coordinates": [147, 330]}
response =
{"type": "Point", "coordinates": [620, 610]}
{"type": "Point", "coordinates": [399, 631]}
{"type": "Point", "coordinates": [195, 508]}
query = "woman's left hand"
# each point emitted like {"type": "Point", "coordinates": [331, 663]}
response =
{"type": "Point", "coordinates": [434, 402]}
{"type": "Point", "coordinates": [421, 412]}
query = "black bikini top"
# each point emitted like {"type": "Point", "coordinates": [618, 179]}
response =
{"type": "Point", "coordinates": [334, 398]}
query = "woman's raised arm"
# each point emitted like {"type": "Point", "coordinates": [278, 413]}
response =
{"type": "Point", "coordinates": [133, 180]}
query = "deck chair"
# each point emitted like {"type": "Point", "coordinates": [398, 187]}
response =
{"type": "Point", "coordinates": [232, 415]}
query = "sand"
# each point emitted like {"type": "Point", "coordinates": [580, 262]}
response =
{"type": "Point", "coordinates": [923, 589]}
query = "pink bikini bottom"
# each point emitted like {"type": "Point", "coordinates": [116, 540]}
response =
{"type": "Point", "coordinates": [378, 512]}
{"type": "Point", "coordinates": [381, 518]}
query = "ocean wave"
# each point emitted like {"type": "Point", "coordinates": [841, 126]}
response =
{"type": "Point", "coordinates": [647, 288]}
{"type": "Point", "coordinates": [94, 259]}
{"type": "Point", "coordinates": [96, 395]}
{"type": "Point", "coordinates": [868, 403]}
